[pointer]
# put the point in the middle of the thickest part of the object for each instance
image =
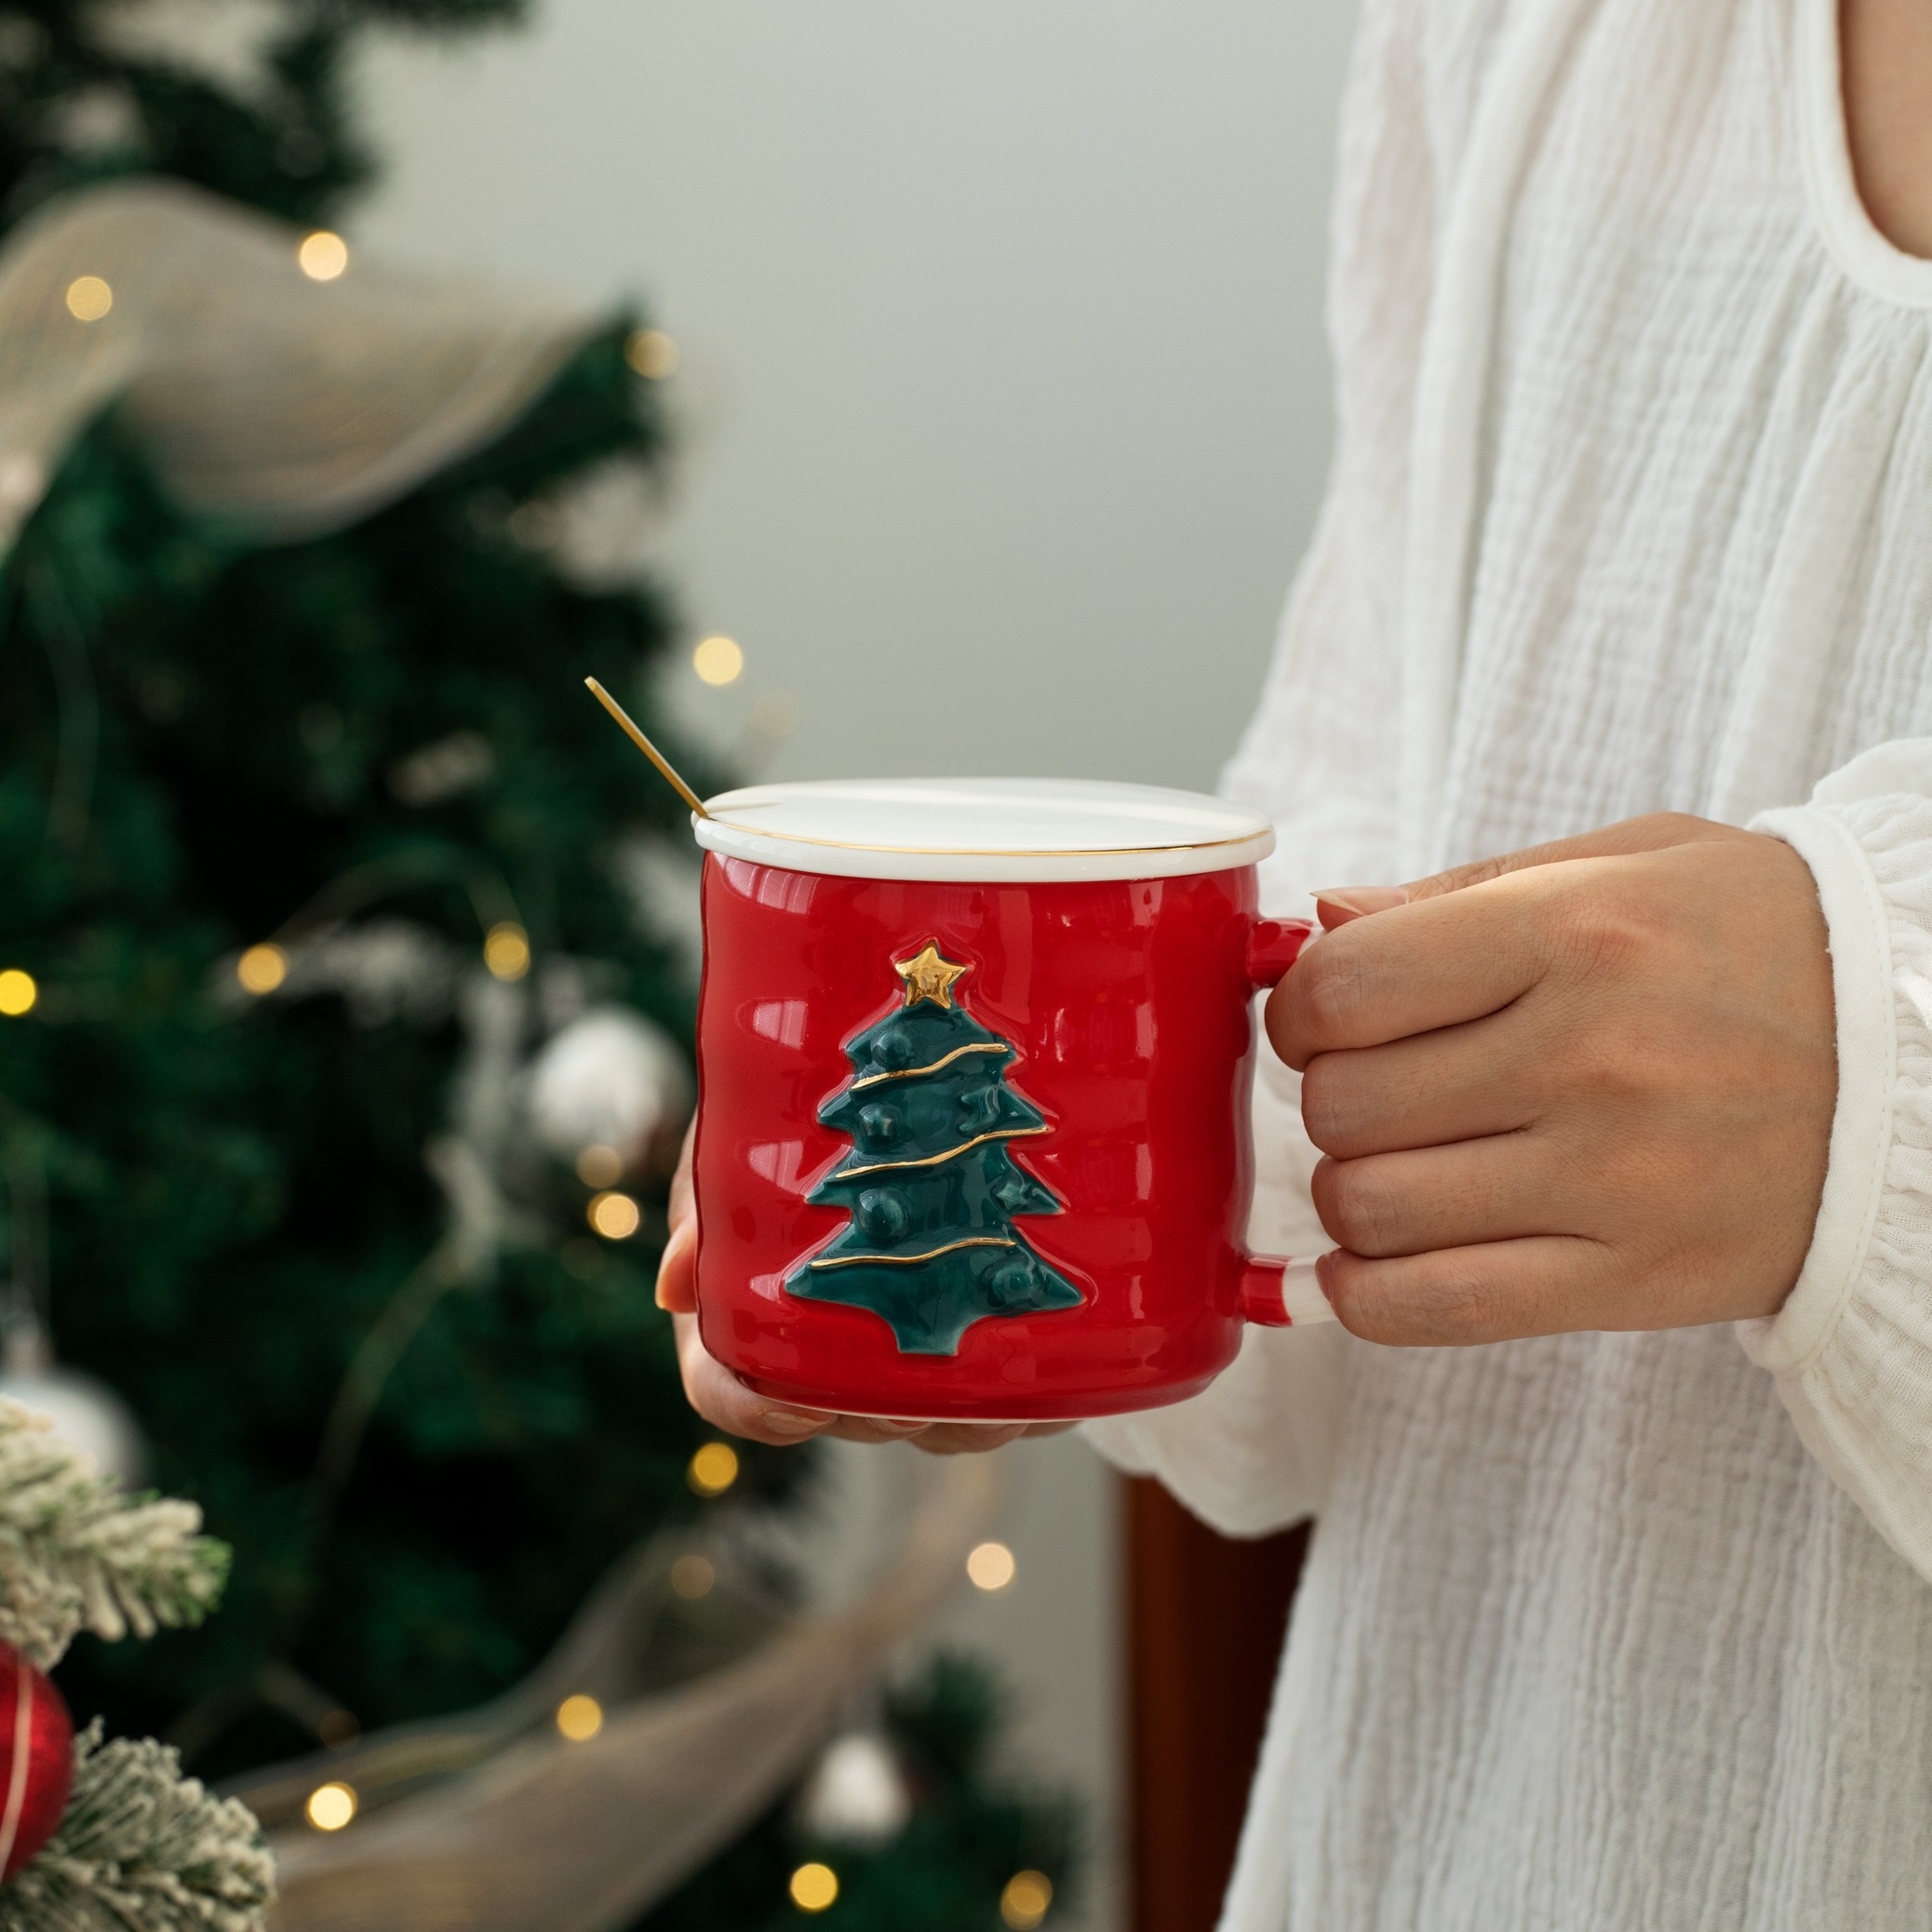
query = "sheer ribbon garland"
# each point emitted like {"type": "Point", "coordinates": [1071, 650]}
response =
{"type": "Point", "coordinates": [292, 405]}
{"type": "Point", "coordinates": [498, 1824]}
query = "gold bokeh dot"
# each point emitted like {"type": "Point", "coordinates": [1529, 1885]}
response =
{"type": "Point", "coordinates": [1023, 1903]}
{"type": "Point", "coordinates": [991, 1566]}
{"type": "Point", "coordinates": [718, 661]}
{"type": "Point", "coordinates": [506, 950]}
{"type": "Point", "coordinates": [814, 1887]}
{"type": "Point", "coordinates": [713, 1469]}
{"type": "Point", "coordinates": [19, 990]}
{"type": "Point", "coordinates": [262, 968]}
{"type": "Point", "coordinates": [579, 1718]}
{"type": "Point", "coordinates": [88, 298]}
{"type": "Point", "coordinates": [338, 1727]}
{"type": "Point", "coordinates": [691, 1577]}
{"type": "Point", "coordinates": [598, 1166]}
{"type": "Point", "coordinates": [331, 1806]}
{"type": "Point", "coordinates": [323, 255]}
{"type": "Point", "coordinates": [614, 1215]}
{"type": "Point", "coordinates": [652, 353]}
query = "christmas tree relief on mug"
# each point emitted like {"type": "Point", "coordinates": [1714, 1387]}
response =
{"type": "Point", "coordinates": [930, 1183]}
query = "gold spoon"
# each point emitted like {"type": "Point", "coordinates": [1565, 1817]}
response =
{"type": "Point", "coordinates": [647, 748]}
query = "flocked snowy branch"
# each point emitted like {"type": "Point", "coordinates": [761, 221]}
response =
{"type": "Point", "coordinates": [139, 1845]}
{"type": "Point", "coordinates": [76, 1553]}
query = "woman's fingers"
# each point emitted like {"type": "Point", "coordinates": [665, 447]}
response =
{"type": "Point", "coordinates": [728, 1405]}
{"type": "Point", "coordinates": [1453, 1297]}
{"type": "Point", "coordinates": [977, 1438]}
{"type": "Point", "coordinates": [1506, 1187]}
{"type": "Point", "coordinates": [677, 1266]}
{"type": "Point", "coordinates": [1409, 970]}
{"type": "Point", "coordinates": [677, 1269]}
{"type": "Point", "coordinates": [1457, 1083]}
{"type": "Point", "coordinates": [968, 1438]}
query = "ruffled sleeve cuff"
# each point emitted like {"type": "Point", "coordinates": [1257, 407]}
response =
{"type": "Point", "coordinates": [1851, 1349]}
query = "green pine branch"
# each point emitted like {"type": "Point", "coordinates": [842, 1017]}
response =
{"type": "Point", "coordinates": [141, 1848]}
{"type": "Point", "coordinates": [76, 1553]}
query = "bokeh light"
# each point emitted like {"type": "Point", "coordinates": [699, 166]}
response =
{"type": "Point", "coordinates": [579, 1718]}
{"type": "Point", "coordinates": [331, 1806]}
{"type": "Point", "coordinates": [19, 990]}
{"type": "Point", "coordinates": [262, 968]}
{"type": "Point", "coordinates": [1023, 1903]}
{"type": "Point", "coordinates": [652, 353]}
{"type": "Point", "coordinates": [718, 661]}
{"type": "Point", "coordinates": [88, 298]}
{"type": "Point", "coordinates": [615, 1217]}
{"type": "Point", "coordinates": [991, 1566]}
{"type": "Point", "coordinates": [323, 255]}
{"type": "Point", "coordinates": [691, 1577]}
{"type": "Point", "coordinates": [814, 1887]}
{"type": "Point", "coordinates": [713, 1469]}
{"type": "Point", "coordinates": [598, 1166]}
{"type": "Point", "coordinates": [506, 950]}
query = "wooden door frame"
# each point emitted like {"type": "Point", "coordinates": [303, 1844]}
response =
{"type": "Point", "coordinates": [1206, 1616]}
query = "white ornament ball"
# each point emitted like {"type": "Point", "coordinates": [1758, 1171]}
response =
{"type": "Point", "coordinates": [608, 1079]}
{"type": "Point", "coordinates": [87, 1417]}
{"type": "Point", "coordinates": [857, 1794]}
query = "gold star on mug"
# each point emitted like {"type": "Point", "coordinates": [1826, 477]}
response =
{"type": "Point", "coordinates": [929, 975]}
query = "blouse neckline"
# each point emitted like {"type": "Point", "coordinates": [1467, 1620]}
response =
{"type": "Point", "coordinates": [1864, 254]}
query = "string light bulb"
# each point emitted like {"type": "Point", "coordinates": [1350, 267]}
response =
{"type": "Point", "coordinates": [713, 1469]}
{"type": "Point", "coordinates": [691, 1577]}
{"type": "Point", "coordinates": [88, 298]}
{"type": "Point", "coordinates": [323, 255]}
{"type": "Point", "coordinates": [1024, 1903]}
{"type": "Point", "coordinates": [718, 661]}
{"type": "Point", "coordinates": [331, 1806]}
{"type": "Point", "coordinates": [19, 990]}
{"type": "Point", "coordinates": [652, 353]}
{"type": "Point", "coordinates": [599, 1166]}
{"type": "Point", "coordinates": [579, 1718]}
{"type": "Point", "coordinates": [262, 968]}
{"type": "Point", "coordinates": [614, 1215]}
{"type": "Point", "coordinates": [990, 1566]}
{"type": "Point", "coordinates": [506, 950]}
{"type": "Point", "coordinates": [338, 1727]}
{"type": "Point", "coordinates": [814, 1887]}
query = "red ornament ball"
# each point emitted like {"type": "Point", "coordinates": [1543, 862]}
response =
{"type": "Point", "coordinates": [36, 1760]}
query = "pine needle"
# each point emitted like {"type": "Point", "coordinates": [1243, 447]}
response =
{"type": "Point", "coordinates": [140, 1845]}
{"type": "Point", "coordinates": [76, 1553]}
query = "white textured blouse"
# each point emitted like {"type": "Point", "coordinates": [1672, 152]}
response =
{"type": "Point", "coordinates": [1631, 510]}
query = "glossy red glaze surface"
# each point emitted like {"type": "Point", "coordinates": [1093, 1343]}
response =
{"type": "Point", "coordinates": [1129, 1002]}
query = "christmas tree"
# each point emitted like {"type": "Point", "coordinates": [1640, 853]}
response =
{"type": "Point", "coordinates": [322, 915]}
{"type": "Point", "coordinates": [930, 1185]}
{"type": "Point", "coordinates": [97, 1835]}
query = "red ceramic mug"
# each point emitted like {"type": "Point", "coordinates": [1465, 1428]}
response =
{"type": "Point", "coordinates": [974, 1059]}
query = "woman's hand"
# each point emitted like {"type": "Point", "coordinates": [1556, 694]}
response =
{"type": "Point", "coordinates": [1587, 1086]}
{"type": "Point", "coordinates": [728, 1405]}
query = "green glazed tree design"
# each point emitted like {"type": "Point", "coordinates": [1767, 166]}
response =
{"type": "Point", "coordinates": [930, 1184]}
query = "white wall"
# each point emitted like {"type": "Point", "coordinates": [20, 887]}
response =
{"type": "Point", "coordinates": [1004, 397]}
{"type": "Point", "coordinates": [1003, 409]}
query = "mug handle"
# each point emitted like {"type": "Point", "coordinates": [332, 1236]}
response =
{"type": "Point", "coordinates": [1279, 1293]}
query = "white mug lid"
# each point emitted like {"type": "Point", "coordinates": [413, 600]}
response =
{"type": "Point", "coordinates": [983, 830]}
